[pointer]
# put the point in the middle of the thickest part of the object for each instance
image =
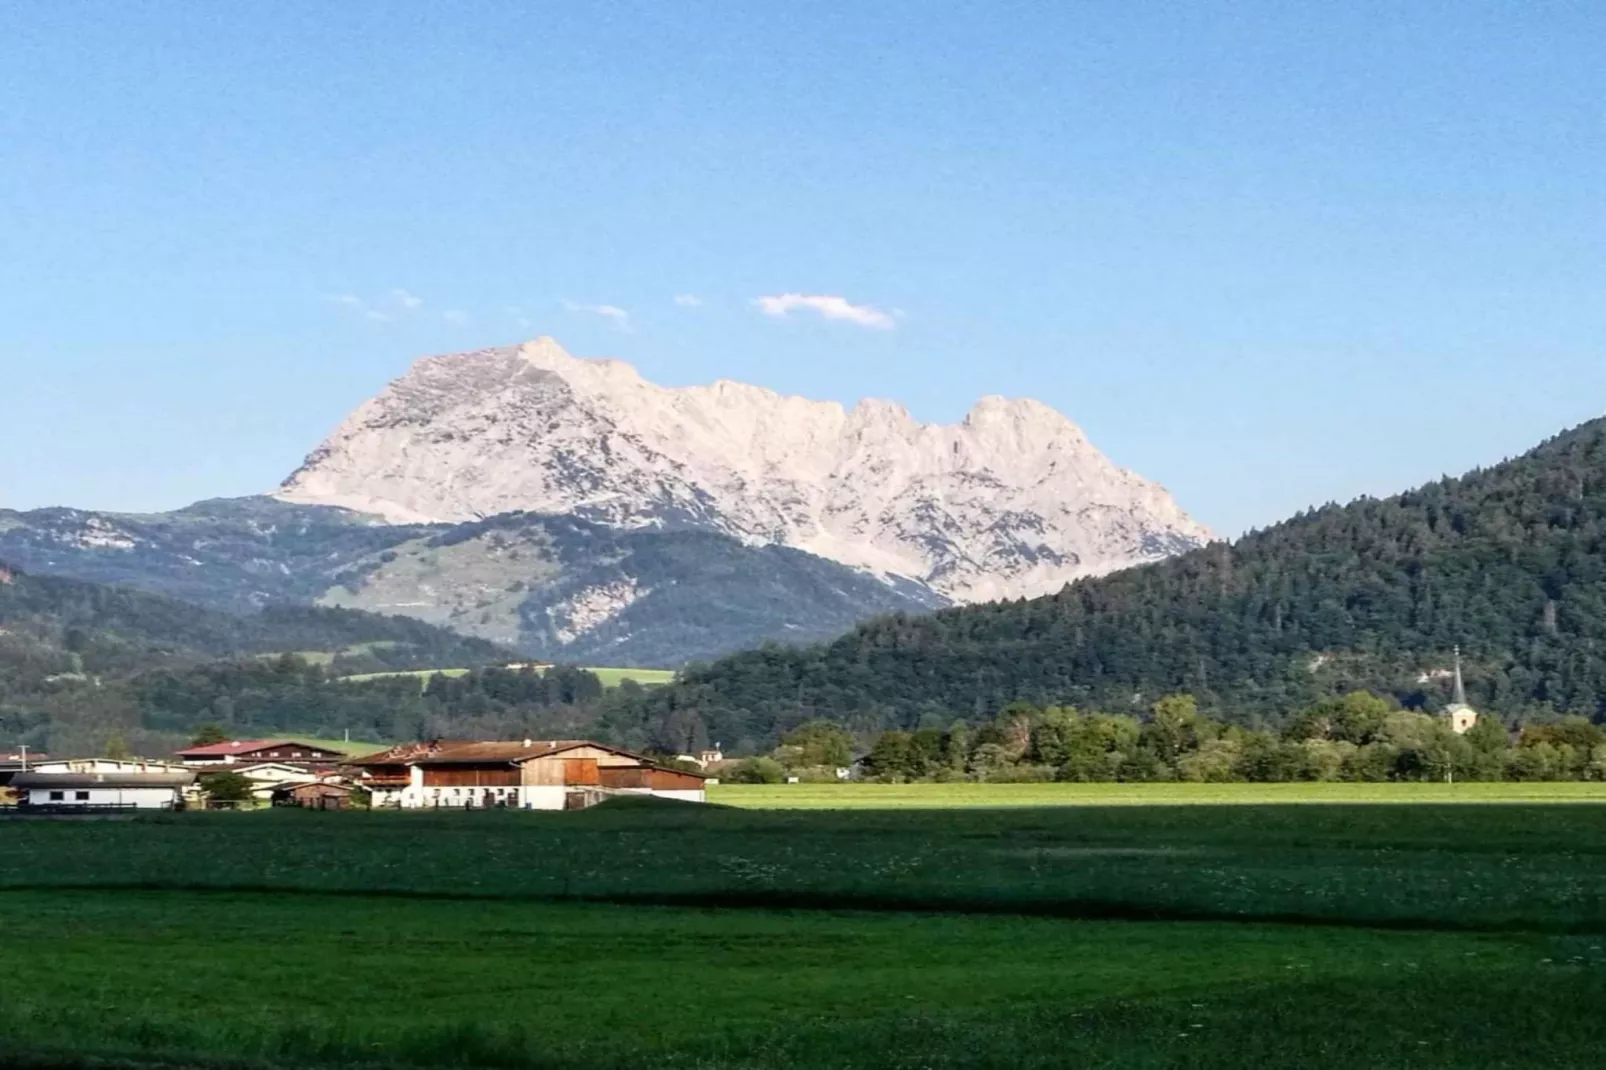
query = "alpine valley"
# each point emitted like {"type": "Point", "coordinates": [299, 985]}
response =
{"type": "Point", "coordinates": [570, 509]}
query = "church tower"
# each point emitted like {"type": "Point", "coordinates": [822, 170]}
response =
{"type": "Point", "coordinates": [1462, 716]}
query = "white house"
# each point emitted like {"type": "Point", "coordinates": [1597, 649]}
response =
{"type": "Point", "coordinates": [267, 776]}
{"type": "Point", "coordinates": [149, 790]}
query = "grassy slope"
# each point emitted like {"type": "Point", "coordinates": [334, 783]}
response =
{"type": "Point", "coordinates": [610, 677]}
{"type": "Point", "coordinates": [646, 677]}
{"type": "Point", "coordinates": [353, 747]}
{"type": "Point", "coordinates": [1163, 935]}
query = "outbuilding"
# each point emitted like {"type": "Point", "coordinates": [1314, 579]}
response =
{"type": "Point", "coordinates": [313, 795]}
{"type": "Point", "coordinates": [110, 790]}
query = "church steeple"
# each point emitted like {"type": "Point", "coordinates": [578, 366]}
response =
{"type": "Point", "coordinates": [1462, 715]}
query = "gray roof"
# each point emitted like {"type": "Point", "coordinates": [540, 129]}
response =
{"type": "Point", "coordinates": [103, 780]}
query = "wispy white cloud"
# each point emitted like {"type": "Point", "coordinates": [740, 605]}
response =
{"type": "Point", "coordinates": [398, 303]}
{"type": "Point", "coordinates": [828, 306]}
{"type": "Point", "coordinates": [612, 313]}
{"type": "Point", "coordinates": [360, 307]}
{"type": "Point", "coordinates": [455, 315]}
{"type": "Point", "coordinates": [688, 300]}
{"type": "Point", "coordinates": [517, 314]}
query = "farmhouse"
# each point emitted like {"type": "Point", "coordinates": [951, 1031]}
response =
{"type": "Point", "coordinates": [529, 774]}
{"type": "Point", "coordinates": [256, 751]}
{"type": "Point", "coordinates": [153, 789]}
{"type": "Point", "coordinates": [266, 777]}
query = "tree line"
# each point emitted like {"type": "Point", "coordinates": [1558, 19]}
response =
{"type": "Point", "coordinates": [1358, 736]}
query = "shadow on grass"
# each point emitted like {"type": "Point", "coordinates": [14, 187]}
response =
{"type": "Point", "coordinates": [1078, 909]}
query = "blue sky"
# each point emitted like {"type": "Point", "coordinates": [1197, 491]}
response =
{"type": "Point", "coordinates": [1269, 254]}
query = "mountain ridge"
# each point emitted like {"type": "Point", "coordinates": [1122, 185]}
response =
{"type": "Point", "coordinates": [1012, 500]}
{"type": "Point", "coordinates": [556, 588]}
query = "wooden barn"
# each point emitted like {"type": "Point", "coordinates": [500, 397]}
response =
{"type": "Point", "coordinates": [313, 795]}
{"type": "Point", "coordinates": [529, 774]}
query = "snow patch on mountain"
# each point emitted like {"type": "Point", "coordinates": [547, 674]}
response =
{"type": "Point", "coordinates": [1012, 501]}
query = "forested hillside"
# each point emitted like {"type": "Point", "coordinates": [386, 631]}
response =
{"type": "Point", "coordinates": [1507, 562]}
{"type": "Point", "coordinates": [76, 658]}
{"type": "Point", "coordinates": [102, 628]}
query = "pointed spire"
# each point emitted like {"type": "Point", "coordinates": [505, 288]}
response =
{"type": "Point", "coordinates": [1460, 698]}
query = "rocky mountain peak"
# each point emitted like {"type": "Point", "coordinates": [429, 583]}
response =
{"type": "Point", "coordinates": [1013, 500]}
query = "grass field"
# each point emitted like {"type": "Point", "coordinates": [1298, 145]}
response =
{"type": "Point", "coordinates": [644, 677]}
{"type": "Point", "coordinates": [422, 675]}
{"type": "Point", "coordinates": [949, 796]}
{"type": "Point", "coordinates": [610, 677]}
{"type": "Point", "coordinates": [354, 747]}
{"type": "Point", "coordinates": [1195, 935]}
{"type": "Point", "coordinates": [327, 657]}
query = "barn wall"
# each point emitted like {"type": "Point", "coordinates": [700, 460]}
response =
{"type": "Point", "coordinates": [143, 798]}
{"type": "Point", "coordinates": [547, 771]}
{"type": "Point", "coordinates": [470, 776]}
{"type": "Point", "coordinates": [581, 771]}
{"type": "Point", "coordinates": [655, 779]}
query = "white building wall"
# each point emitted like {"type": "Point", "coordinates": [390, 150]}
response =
{"type": "Point", "coordinates": [418, 797]}
{"type": "Point", "coordinates": [143, 798]}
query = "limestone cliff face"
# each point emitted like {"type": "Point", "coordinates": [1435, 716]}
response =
{"type": "Point", "coordinates": [1012, 501]}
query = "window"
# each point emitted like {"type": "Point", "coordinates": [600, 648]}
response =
{"type": "Point", "coordinates": [81, 796]}
{"type": "Point", "coordinates": [57, 796]}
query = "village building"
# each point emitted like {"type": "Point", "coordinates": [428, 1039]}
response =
{"type": "Point", "coordinates": [528, 774]}
{"type": "Point", "coordinates": [704, 758]}
{"type": "Point", "coordinates": [151, 789]}
{"type": "Point", "coordinates": [1461, 715]}
{"type": "Point", "coordinates": [268, 777]}
{"type": "Point", "coordinates": [257, 751]}
{"type": "Point", "coordinates": [313, 795]}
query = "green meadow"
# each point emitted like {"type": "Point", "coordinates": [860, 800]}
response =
{"type": "Point", "coordinates": [968, 795]}
{"type": "Point", "coordinates": [609, 677]}
{"type": "Point", "coordinates": [1186, 932]}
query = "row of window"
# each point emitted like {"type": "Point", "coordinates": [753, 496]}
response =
{"type": "Point", "coordinates": [61, 796]}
